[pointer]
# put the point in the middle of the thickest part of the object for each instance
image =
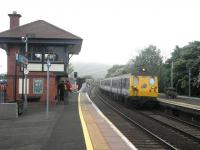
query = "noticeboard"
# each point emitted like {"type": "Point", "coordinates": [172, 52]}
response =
{"type": "Point", "coordinates": [37, 86]}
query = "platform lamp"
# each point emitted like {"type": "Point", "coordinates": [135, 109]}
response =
{"type": "Point", "coordinates": [25, 40]}
{"type": "Point", "coordinates": [47, 102]}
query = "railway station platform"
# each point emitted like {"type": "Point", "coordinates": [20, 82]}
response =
{"type": "Point", "coordinates": [77, 125]}
{"type": "Point", "coordinates": [99, 132]}
{"type": "Point", "coordinates": [186, 104]}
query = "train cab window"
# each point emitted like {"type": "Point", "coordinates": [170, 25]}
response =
{"type": "Point", "coordinates": [151, 81]}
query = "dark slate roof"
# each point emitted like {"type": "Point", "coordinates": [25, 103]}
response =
{"type": "Point", "coordinates": [39, 29]}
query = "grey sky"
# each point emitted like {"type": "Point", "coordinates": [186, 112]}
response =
{"type": "Point", "coordinates": [113, 30]}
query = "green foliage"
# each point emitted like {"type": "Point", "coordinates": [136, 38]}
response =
{"type": "Point", "coordinates": [150, 59]}
{"type": "Point", "coordinates": [184, 59]}
{"type": "Point", "coordinates": [117, 70]}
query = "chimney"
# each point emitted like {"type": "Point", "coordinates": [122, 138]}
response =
{"type": "Point", "coordinates": [14, 19]}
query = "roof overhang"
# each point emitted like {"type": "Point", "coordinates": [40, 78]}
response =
{"type": "Point", "coordinates": [75, 44]}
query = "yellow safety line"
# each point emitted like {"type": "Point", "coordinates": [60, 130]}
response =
{"type": "Point", "coordinates": [84, 127]}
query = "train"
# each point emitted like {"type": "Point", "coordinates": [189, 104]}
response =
{"type": "Point", "coordinates": [141, 90]}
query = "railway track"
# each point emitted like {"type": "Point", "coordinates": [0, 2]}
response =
{"type": "Point", "coordinates": [187, 129]}
{"type": "Point", "coordinates": [154, 133]}
{"type": "Point", "coordinates": [141, 137]}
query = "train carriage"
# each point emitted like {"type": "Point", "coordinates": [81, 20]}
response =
{"type": "Point", "coordinates": [141, 90]}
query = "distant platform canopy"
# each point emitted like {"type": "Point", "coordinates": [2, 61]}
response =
{"type": "Point", "coordinates": [41, 32]}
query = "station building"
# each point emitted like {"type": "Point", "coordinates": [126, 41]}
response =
{"type": "Point", "coordinates": [43, 40]}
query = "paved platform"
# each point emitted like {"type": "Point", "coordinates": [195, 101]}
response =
{"type": "Point", "coordinates": [187, 105]}
{"type": "Point", "coordinates": [76, 125]}
{"type": "Point", "coordinates": [33, 130]}
{"type": "Point", "coordinates": [67, 132]}
{"type": "Point", "coordinates": [99, 132]}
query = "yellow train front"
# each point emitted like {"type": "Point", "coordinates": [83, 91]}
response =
{"type": "Point", "coordinates": [143, 90]}
{"type": "Point", "coordinates": [140, 90]}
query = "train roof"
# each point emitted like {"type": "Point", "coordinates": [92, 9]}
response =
{"type": "Point", "coordinates": [116, 77]}
{"type": "Point", "coordinates": [125, 76]}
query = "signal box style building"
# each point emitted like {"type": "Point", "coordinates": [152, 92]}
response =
{"type": "Point", "coordinates": [43, 40]}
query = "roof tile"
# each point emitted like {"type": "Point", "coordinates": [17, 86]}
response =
{"type": "Point", "coordinates": [39, 29]}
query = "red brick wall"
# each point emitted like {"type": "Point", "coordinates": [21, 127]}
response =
{"type": "Point", "coordinates": [52, 85]}
{"type": "Point", "coordinates": [32, 75]}
{"type": "Point", "coordinates": [11, 63]}
{"type": "Point", "coordinates": [14, 20]}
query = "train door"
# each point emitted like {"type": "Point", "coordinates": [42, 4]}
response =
{"type": "Point", "coordinates": [118, 86]}
{"type": "Point", "coordinates": [121, 84]}
{"type": "Point", "coordinates": [110, 85]}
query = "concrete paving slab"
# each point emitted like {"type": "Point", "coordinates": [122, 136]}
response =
{"type": "Point", "coordinates": [33, 130]}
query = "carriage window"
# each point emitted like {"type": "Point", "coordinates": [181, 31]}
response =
{"type": "Point", "coordinates": [114, 83]}
{"type": "Point", "coordinates": [127, 83]}
{"type": "Point", "coordinates": [124, 83]}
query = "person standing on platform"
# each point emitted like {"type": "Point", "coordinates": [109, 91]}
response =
{"type": "Point", "coordinates": [68, 88]}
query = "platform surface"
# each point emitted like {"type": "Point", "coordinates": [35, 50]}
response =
{"type": "Point", "coordinates": [185, 103]}
{"type": "Point", "coordinates": [33, 130]}
{"type": "Point", "coordinates": [103, 135]}
{"type": "Point", "coordinates": [62, 129]}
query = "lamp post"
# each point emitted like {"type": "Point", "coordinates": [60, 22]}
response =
{"type": "Point", "coordinates": [172, 68]}
{"type": "Point", "coordinates": [47, 102]}
{"type": "Point", "coordinates": [189, 92]}
{"type": "Point", "coordinates": [25, 39]}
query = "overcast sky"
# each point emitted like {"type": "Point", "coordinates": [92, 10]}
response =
{"type": "Point", "coordinates": [113, 31]}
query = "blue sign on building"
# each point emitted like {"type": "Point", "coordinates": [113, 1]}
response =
{"type": "Point", "coordinates": [21, 59]}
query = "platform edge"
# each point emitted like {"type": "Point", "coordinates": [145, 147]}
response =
{"type": "Point", "coordinates": [88, 141]}
{"type": "Point", "coordinates": [112, 125]}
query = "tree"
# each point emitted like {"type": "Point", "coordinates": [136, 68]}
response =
{"type": "Point", "coordinates": [117, 70]}
{"type": "Point", "coordinates": [150, 59]}
{"type": "Point", "coordinates": [185, 59]}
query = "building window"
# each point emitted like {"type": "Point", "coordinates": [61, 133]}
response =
{"type": "Point", "coordinates": [52, 57]}
{"type": "Point", "coordinates": [38, 53]}
{"type": "Point", "coordinates": [37, 86]}
{"type": "Point", "coordinates": [35, 56]}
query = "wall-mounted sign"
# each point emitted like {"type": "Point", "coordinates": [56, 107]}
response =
{"type": "Point", "coordinates": [21, 59]}
{"type": "Point", "coordinates": [37, 86]}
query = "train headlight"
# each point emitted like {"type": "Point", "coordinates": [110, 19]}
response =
{"type": "Point", "coordinates": [151, 81]}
